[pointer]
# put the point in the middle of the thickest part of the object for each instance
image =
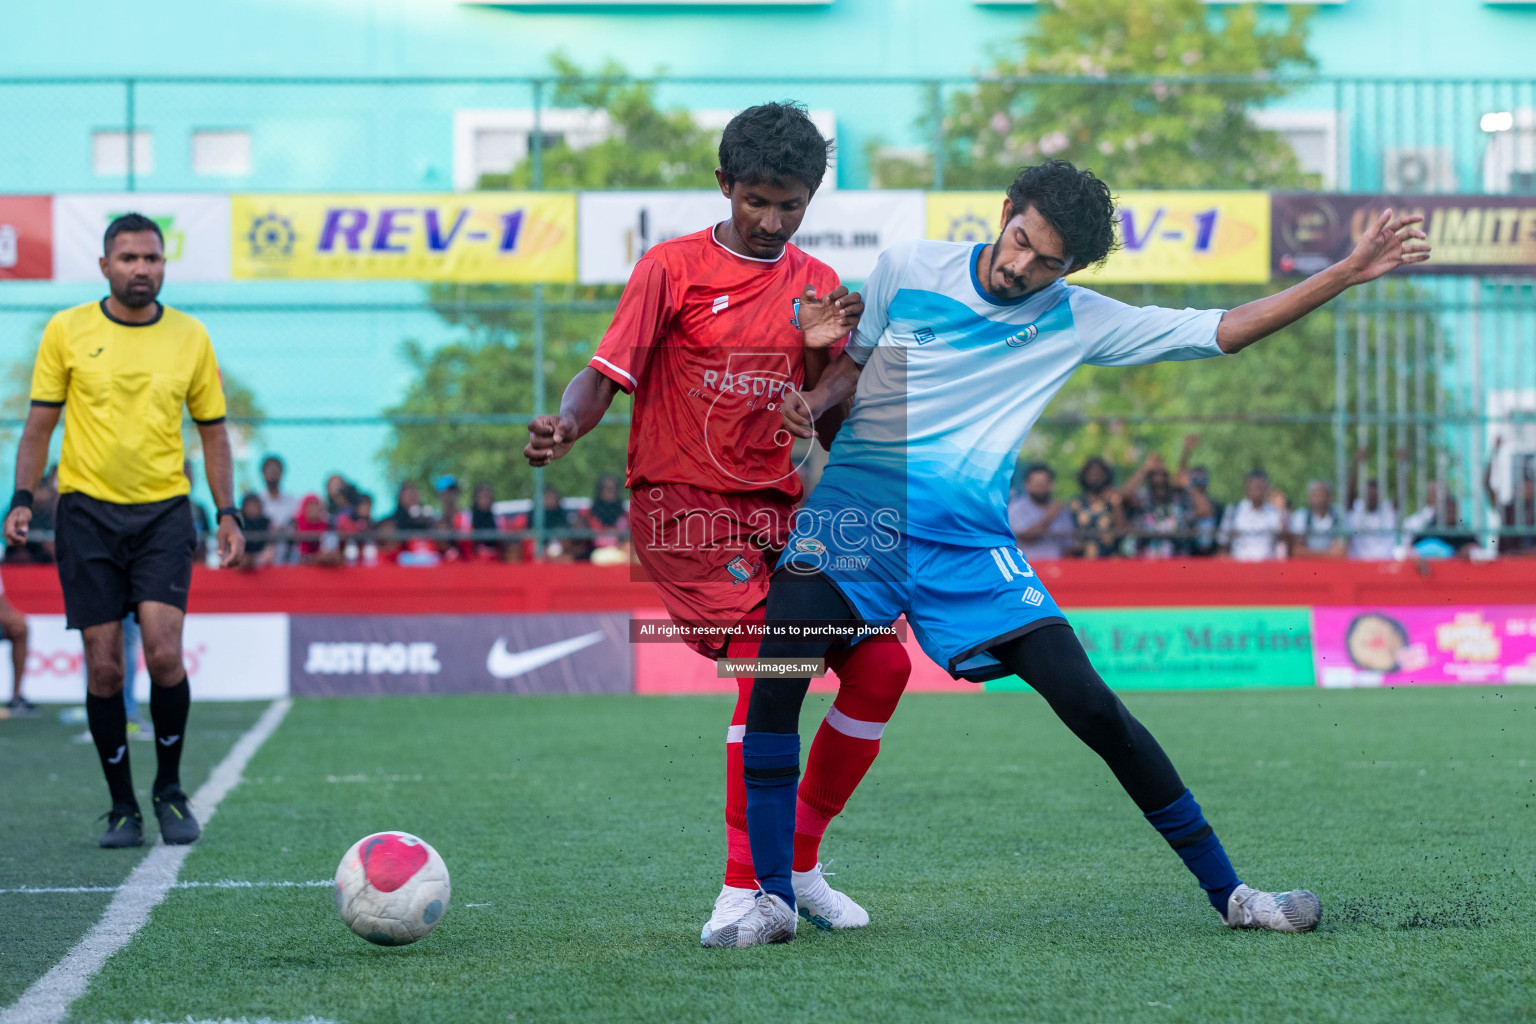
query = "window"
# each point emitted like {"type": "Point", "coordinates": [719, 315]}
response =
{"type": "Point", "coordinates": [495, 141]}
{"type": "Point", "coordinates": [223, 154]}
{"type": "Point", "coordinates": [109, 153]}
{"type": "Point", "coordinates": [1314, 138]}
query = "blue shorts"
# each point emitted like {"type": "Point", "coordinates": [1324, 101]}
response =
{"type": "Point", "coordinates": [960, 600]}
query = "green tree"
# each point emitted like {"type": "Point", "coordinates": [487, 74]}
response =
{"type": "Point", "coordinates": [1116, 87]}
{"type": "Point", "coordinates": [489, 372]}
{"type": "Point", "coordinates": [649, 147]}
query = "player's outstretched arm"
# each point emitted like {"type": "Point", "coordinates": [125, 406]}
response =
{"type": "Point", "coordinates": [586, 399]}
{"type": "Point", "coordinates": [31, 456]}
{"type": "Point", "coordinates": [1391, 243]}
{"type": "Point", "coordinates": [803, 409]}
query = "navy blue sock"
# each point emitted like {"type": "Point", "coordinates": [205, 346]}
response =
{"type": "Point", "coordinates": [771, 763]}
{"type": "Point", "coordinates": [1193, 839]}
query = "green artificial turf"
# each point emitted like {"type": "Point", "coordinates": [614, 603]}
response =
{"type": "Point", "coordinates": [51, 792]}
{"type": "Point", "coordinates": [1008, 877]}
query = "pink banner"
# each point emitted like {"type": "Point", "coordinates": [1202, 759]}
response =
{"type": "Point", "coordinates": [1424, 645]}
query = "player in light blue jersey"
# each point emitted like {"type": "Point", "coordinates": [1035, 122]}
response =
{"type": "Point", "coordinates": [958, 353]}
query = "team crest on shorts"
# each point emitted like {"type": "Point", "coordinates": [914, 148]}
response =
{"type": "Point", "coordinates": [740, 569]}
{"type": "Point", "coordinates": [810, 546]}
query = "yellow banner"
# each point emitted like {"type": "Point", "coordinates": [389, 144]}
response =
{"type": "Point", "coordinates": [478, 237]}
{"type": "Point", "coordinates": [1174, 237]}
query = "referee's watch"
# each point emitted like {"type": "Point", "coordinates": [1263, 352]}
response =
{"type": "Point", "coordinates": [233, 513]}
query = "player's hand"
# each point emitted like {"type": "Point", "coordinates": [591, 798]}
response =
{"type": "Point", "coordinates": [549, 438]}
{"type": "Point", "coordinates": [829, 319]}
{"type": "Point", "coordinates": [16, 526]}
{"type": "Point", "coordinates": [231, 542]}
{"type": "Point", "coordinates": [1191, 441]}
{"type": "Point", "coordinates": [1390, 243]}
{"type": "Point", "coordinates": [800, 409]}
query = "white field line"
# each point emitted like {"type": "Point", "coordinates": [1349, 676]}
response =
{"type": "Point", "coordinates": [226, 883]}
{"type": "Point", "coordinates": [49, 997]}
{"type": "Point", "coordinates": [247, 1020]}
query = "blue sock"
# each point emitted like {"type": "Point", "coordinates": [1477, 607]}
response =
{"type": "Point", "coordinates": [771, 764]}
{"type": "Point", "coordinates": [1192, 838]}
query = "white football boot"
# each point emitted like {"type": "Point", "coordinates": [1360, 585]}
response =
{"type": "Point", "coordinates": [730, 905]}
{"type": "Point", "coordinates": [768, 919]}
{"type": "Point", "coordinates": [824, 906]}
{"type": "Point", "coordinates": [1294, 911]}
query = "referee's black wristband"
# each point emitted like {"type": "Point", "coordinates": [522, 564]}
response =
{"type": "Point", "coordinates": [21, 499]}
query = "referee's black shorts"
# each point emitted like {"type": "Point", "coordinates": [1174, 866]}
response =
{"type": "Point", "coordinates": [113, 556]}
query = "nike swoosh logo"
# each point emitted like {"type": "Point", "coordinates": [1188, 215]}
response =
{"type": "Point", "coordinates": [119, 758]}
{"type": "Point", "coordinates": [97, 353]}
{"type": "Point", "coordinates": [168, 741]}
{"type": "Point", "coordinates": [505, 664]}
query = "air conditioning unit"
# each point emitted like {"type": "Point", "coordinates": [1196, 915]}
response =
{"type": "Point", "coordinates": [1509, 162]}
{"type": "Point", "coordinates": [1418, 169]}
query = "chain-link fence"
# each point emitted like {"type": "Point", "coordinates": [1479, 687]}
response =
{"type": "Point", "coordinates": [1407, 383]}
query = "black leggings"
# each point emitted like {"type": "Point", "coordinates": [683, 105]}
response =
{"type": "Point", "coordinates": [1050, 659]}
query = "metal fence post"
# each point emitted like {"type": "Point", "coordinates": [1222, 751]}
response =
{"type": "Point", "coordinates": [936, 95]}
{"type": "Point", "coordinates": [539, 525]}
{"type": "Point", "coordinates": [536, 144]}
{"type": "Point", "coordinates": [128, 91]}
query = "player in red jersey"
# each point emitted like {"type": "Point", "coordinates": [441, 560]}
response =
{"type": "Point", "coordinates": [713, 331]}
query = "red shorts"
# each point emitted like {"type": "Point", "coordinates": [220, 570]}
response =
{"type": "Point", "coordinates": [709, 554]}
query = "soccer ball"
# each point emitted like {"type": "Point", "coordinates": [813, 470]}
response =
{"type": "Point", "coordinates": [391, 888]}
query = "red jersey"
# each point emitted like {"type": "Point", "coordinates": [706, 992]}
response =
{"type": "Point", "coordinates": [706, 341]}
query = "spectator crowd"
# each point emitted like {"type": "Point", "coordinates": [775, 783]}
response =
{"type": "Point", "coordinates": [1158, 513]}
{"type": "Point", "coordinates": [1155, 513]}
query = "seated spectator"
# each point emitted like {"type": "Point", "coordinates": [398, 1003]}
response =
{"type": "Point", "coordinates": [45, 501]}
{"type": "Point", "coordinates": [480, 518]}
{"type": "Point", "coordinates": [1519, 513]}
{"type": "Point", "coordinates": [1252, 529]}
{"type": "Point", "coordinates": [1436, 530]}
{"type": "Point", "coordinates": [1317, 531]}
{"type": "Point", "coordinates": [1205, 512]}
{"type": "Point", "coordinates": [279, 507]}
{"type": "Point", "coordinates": [357, 521]}
{"type": "Point", "coordinates": [407, 519]}
{"type": "Point", "coordinates": [556, 517]}
{"type": "Point", "coordinates": [1039, 521]}
{"type": "Point", "coordinates": [1372, 522]}
{"type": "Point", "coordinates": [1161, 516]}
{"type": "Point", "coordinates": [339, 495]}
{"type": "Point", "coordinates": [1098, 512]}
{"type": "Point", "coordinates": [450, 518]}
{"type": "Point", "coordinates": [259, 547]}
{"type": "Point", "coordinates": [316, 541]}
{"type": "Point", "coordinates": [606, 517]}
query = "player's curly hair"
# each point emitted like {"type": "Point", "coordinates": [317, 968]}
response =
{"type": "Point", "coordinates": [1075, 203]}
{"type": "Point", "coordinates": [774, 142]}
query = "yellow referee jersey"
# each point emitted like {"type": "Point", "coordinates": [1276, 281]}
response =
{"type": "Point", "coordinates": [122, 387]}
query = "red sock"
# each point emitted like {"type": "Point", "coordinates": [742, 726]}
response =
{"type": "Point", "coordinates": [871, 677]}
{"type": "Point", "coordinates": [739, 872]}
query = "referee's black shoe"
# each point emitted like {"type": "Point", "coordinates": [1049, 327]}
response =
{"type": "Point", "coordinates": [177, 825]}
{"type": "Point", "coordinates": [125, 827]}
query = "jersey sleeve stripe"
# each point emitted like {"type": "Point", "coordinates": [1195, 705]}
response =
{"type": "Point", "coordinates": [46, 404]}
{"type": "Point", "coordinates": [622, 373]}
{"type": "Point", "coordinates": [208, 423]}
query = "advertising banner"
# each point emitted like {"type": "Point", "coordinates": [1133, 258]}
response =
{"type": "Point", "coordinates": [1193, 648]}
{"type": "Point", "coordinates": [1176, 237]}
{"type": "Point", "coordinates": [845, 230]}
{"type": "Point", "coordinates": [1425, 645]}
{"type": "Point", "coordinates": [373, 655]}
{"type": "Point", "coordinates": [26, 238]}
{"type": "Point", "coordinates": [195, 226]}
{"type": "Point", "coordinates": [1470, 234]}
{"type": "Point", "coordinates": [228, 657]}
{"type": "Point", "coordinates": [484, 237]}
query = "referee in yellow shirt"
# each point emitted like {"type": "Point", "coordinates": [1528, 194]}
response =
{"type": "Point", "coordinates": [121, 370]}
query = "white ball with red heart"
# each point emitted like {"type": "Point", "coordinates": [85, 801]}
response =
{"type": "Point", "coordinates": [392, 888]}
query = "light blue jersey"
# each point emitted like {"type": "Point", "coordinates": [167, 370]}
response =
{"type": "Point", "coordinates": [911, 515]}
{"type": "Point", "coordinates": [954, 379]}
